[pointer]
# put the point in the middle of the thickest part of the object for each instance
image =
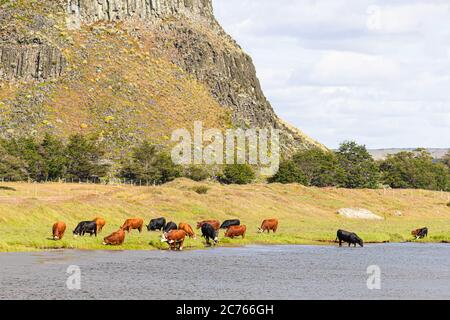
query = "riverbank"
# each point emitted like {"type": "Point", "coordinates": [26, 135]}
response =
{"type": "Point", "coordinates": [307, 215]}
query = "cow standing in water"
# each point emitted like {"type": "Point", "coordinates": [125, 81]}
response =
{"type": "Point", "coordinates": [133, 224]}
{"type": "Point", "coordinates": [188, 229]}
{"type": "Point", "coordinates": [269, 225]}
{"type": "Point", "coordinates": [175, 239]}
{"type": "Point", "coordinates": [59, 228]}
{"type": "Point", "coordinates": [115, 239]}
{"type": "Point", "coordinates": [100, 222]}
{"type": "Point", "coordinates": [350, 237]}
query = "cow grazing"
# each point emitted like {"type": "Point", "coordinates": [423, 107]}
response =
{"type": "Point", "coordinates": [236, 231]}
{"type": "Point", "coordinates": [349, 237]}
{"type": "Point", "coordinates": [420, 233]}
{"type": "Point", "coordinates": [84, 227]}
{"type": "Point", "coordinates": [170, 226]}
{"type": "Point", "coordinates": [59, 228]}
{"type": "Point", "coordinates": [209, 233]}
{"type": "Point", "coordinates": [230, 223]}
{"type": "Point", "coordinates": [269, 225]}
{"type": "Point", "coordinates": [100, 224]}
{"type": "Point", "coordinates": [157, 224]}
{"type": "Point", "coordinates": [133, 224]}
{"type": "Point", "coordinates": [214, 223]}
{"type": "Point", "coordinates": [175, 239]}
{"type": "Point", "coordinates": [115, 239]}
{"type": "Point", "coordinates": [188, 229]}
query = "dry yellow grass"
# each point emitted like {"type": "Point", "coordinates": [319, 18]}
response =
{"type": "Point", "coordinates": [307, 215]}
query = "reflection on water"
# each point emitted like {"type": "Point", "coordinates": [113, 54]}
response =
{"type": "Point", "coordinates": [409, 271]}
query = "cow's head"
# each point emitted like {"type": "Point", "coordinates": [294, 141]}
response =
{"type": "Point", "coordinates": [199, 225]}
{"type": "Point", "coordinates": [360, 242]}
{"type": "Point", "coordinates": [260, 230]}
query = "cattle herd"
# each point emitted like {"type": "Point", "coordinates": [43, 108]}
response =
{"type": "Point", "coordinates": [172, 233]}
{"type": "Point", "coordinates": [175, 235]}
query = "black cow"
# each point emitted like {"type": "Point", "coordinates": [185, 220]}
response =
{"type": "Point", "coordinates": [157, 224]}
{"type": "Point", "coordinates": [209, 233]}
{"type": "Point", "coordinates": [230, 223]}
{"type": "Point", "coordinates": [349, 237]}
{"type": "Point", "coordinates": [170, 226]}
{"type": "Point", "coordinates": [86, 227]}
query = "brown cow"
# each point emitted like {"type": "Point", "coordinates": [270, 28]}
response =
{"type": "Point", "coordinates": [59, 229]}
{"type": "Point", "coordinates": [100, 222]}
{"type": "Point", "coordinates": [174, 238]}
{"type": "Point", "coordinates": [214, 223]}
{"type": "Point", "coordinates": [115, 239]}
{"type": "Point", "coordinates": [236, 231]}
{"type": "Point", "coordinates": [188, 229]}
{"type": "Point", "coordinates": [269, 225]}
{"type": "Point", "coordinates": [133, 224]}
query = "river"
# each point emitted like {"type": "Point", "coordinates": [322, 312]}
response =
{"type": "Point", "coordinates": [408, 271]}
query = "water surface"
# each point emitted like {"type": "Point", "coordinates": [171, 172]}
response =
{"type": "Point", "coordinates": [409, 271]}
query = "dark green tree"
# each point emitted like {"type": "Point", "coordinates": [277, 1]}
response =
{"type": "Point", "coordinates": [414, 170]}
{"type": "Point", "coordinates": [52, 151]}
{"type": "Point", "coordinates": [85, 158]}
{"type": "Point", "coordinates": [11, 167]}
{"type": "Point", "coordinates": [320, 167]}
{"type": "Point", "coordinates": [149, 164]}
{"type": "Point", "coordinates": [359, 168]}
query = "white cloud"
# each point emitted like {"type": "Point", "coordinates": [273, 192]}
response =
{"type": "Point", "coordinates": [377, 72]}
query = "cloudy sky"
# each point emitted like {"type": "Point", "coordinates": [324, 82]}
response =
{"type": "Point", "coordinates": [374, 71]}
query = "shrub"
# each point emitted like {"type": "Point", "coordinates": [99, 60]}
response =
{"type": "Point", "coordinates": [7, 188]}
{"type": "Point", "coordinates": [237, 174]}
{"type": "Point", "coordinates": [448, 204]}
{"type": "Point", "coordinates": [196, 173]}
{"type": "Point", "coordinates": [201, 189]}
{"type": "Point", "coordinates": [289, 172]}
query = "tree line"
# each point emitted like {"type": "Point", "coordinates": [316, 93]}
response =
{"type": "Point", "coordinates": [352, 166]}
{"type": "Point", "coordinates": [83, 158]}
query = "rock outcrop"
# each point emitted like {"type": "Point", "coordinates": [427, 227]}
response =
{"type": "Point", "coordinates": [56, 39]}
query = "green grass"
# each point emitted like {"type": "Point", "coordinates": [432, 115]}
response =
{"type": "Point", "coordinates": [307, 215]}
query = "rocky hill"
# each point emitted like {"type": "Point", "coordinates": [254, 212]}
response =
{"type": "Point", "coordinates": [126, 70]}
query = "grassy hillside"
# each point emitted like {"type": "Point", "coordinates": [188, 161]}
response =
{"type": "Point", "coordinates": [307, 215]}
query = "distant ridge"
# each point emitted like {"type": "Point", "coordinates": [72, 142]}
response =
{"type": "Point", "coordinates": [380, 154]}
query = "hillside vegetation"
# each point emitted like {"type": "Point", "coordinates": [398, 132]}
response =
{"type": "Point", "coordinates": [307, 215]}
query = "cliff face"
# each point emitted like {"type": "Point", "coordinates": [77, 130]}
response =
{"type": "Point", "coordinates": [163, 53]}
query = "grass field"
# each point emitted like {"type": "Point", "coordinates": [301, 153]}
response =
{"type": "Point", "coordinates": [307, 215]}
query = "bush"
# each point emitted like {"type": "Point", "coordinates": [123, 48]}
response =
{"type": "Point", "coordinates": [289, 172]}
{"type": "Point", "coordinates": [201, 190]}
{"type": "Point", "coordinates": [150, 165]}
{"type": "Point", "coordinates": [237, 174]}
{"type": "Point", "coordinates": [196, 173]}
{"type": "Point", "coordinates": [448, 204]}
